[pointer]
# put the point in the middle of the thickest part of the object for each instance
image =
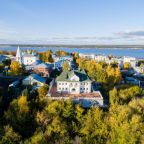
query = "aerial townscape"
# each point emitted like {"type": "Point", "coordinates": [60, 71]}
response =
{"type": "Point", "coordinates": [71, 71]}
{"type": "Point", "coordinates": [65, 97]}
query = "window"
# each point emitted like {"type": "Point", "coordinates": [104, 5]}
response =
{"type": "Point", "coordinates": [65, 88]}
{"type": "Point", "coordinates": [59, 83]}
{"type": "Point", "coordinates": [87, 88]}
{"type": "Point", "coordinates": [59, 88]}
{"type": "Point", "coordinates": [62, 83]}
{"type": "Point", "coordinates": [65, 83]}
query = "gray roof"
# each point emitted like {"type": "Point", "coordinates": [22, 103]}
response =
{"type": "Point", "coordinates": [3, 57]}
{"type": "Point", "coordinates": [29, 55]}
{"type": "Point", "coordinates": [38, 78]}
{"type": "Point", "coordinates": [44, 65]}
{"type": "Point", "coordinates": [66, 75]}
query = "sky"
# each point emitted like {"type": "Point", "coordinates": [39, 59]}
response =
{"type": "Point", "coordinates": [72, 21]}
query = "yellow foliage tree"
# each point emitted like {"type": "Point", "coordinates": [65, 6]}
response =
{"type": "Point", "coordinates": [16, 68]}
{"type": "Point", "coordinates": [65, 66]}
{"type": "Point", "coordinates": [23, 104]}
{"type": "Point", "coordinates": [42, 91]}
{"type": "Point", "coordinates": [126, 65]}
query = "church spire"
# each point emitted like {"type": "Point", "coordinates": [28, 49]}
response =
{"type": "Point", "coordinates": [19, 55]}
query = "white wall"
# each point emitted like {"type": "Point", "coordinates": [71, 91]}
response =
{"type": "Point", "coordinates": [74, 87]}
{"type": "Point", "coordinates": [29, 60]}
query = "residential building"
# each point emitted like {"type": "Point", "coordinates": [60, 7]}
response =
{"type": "Point", "coordinates": [34, 80]}
{"type": "Point", "coordinates": [131, 60]}
{"type": "Point", "coordinates": [58, 64]}
{"type": "Point", "coordinates": [44, 69]}
{"type": "Point", "coordinates": [2, 58]}
{"type": "Point", "coordinates": [73, 82]}
{"type": "Point", "coordinates": [132, 80]}
{"type": "Point", "coordinates": [58, 58]}
{"type": "Point", "coordinates": [26, 58]}
{"type": "Point", "coordinates": [87, 56]}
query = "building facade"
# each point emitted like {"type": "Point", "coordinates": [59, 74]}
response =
{"type": "Point", "coordinates": [44, 69]}
{"type": "Point", "coordinates": [73, 82]}
{"type": "Point", "coordinates": [26, 58]}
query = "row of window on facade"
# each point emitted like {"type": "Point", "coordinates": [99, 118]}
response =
{"type": "Point", "coordinates": [29, 60]}
{"type": "Point", "coordinates": [67, 89]}
{"type": "Point", "coordinates": [71, 84]}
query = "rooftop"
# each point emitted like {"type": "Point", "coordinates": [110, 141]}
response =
{"type": "Point", "coordinates": [37, 77]}
{"type": "Point", "coordinates": [54, 93]}
{"type": "Point", "coordinates": [66, 75]}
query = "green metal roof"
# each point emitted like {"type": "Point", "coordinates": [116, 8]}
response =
{"type": "Point", "coordinates": [66, 75]}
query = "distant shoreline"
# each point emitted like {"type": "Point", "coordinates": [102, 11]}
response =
{"type": "Point", "coordinates": [74, 46]}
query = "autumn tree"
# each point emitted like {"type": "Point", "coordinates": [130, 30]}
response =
{"type": "Point", "coordinates": [61, 53]}
{"type": "Point", "coordinates": [113, 96]}
{"type": "Point", "coordinates": [94, 129]}
{"type": "Point", "coordinates": [42, 92]}
{"type": "Point", "coordinates": [46, 56]}
{"type": "Point", "coordinates": [19, 117]}
{"type": "Point", "coordinates": [16, 68]}
{"type": "Point", "coordinates": [65, 66]}
{"type": "Point", "coordinates": [126, 65]}
{"type": "Point", "coordinates": [9, 136]}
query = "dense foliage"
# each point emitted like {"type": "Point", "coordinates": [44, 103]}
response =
{"type": "Point", "coordinates": [35, 119]}
{"type": "Point", "coordinates": [39, 120]}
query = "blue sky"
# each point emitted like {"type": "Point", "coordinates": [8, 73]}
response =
{"type": "Point", "coordinates": [72, 21]}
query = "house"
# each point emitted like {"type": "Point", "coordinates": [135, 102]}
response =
{"type": "Point", "coordinates": [76, 86]}
{"type": "Point", "coordinates": [87, 56]}
{"type": "Point", "coordinates": [73, 82]}
{"type": "Point", "coordinates": [31, 67]}
{"type": "Point", "coordinates": [44, 69]}
{"type": "Point", "coordinates": [58, 58]}
{"type": "Point", "coordinates": [3, 58]}
{"type": "Point", "coordinates": [132, 80]}
{"type": "Point", "coordinates": [26, 58]}
{"type": "Point", "coordinates": [131, 60]}
{"type": "Point", "coordinates": [34, 80]}
{"type": "Point", "coordinates": [58, 64]}
{"type": "Point", "coordinates": [99, 58]}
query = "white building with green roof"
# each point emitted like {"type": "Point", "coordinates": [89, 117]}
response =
{"type": "Point", "coordinates": [73, 82]}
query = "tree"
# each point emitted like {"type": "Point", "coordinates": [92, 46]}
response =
{"type": "Point", "coordinates": [16, 68]}
{"type": "Point", "coordinates": [118, 75]}
{"type": "Point", "coordinates": [61, 53]}
{"type": "Point", "coordinates": [42, 92]}
{"type": "Point", "coordinates": [49, 56]}
{"type": "Point", "coordinates": [10, 137]}
{"type": "Point", "coordinates": [20, 117]}
{"type": "Point", "coordinates": [113, 96]}
{"type": "Point", "coordinates": [94, 129]}
{"type": "Point", "coordinates": [126, 65]}
{"type": "Point", "coordinates": [65, 66]}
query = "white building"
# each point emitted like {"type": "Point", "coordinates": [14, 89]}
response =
{"type": "Point", "coordinates": [131, 60]}
{"type": "Point", "coordinates": [73, 82]}
{"type": "Point", "coordinates": [34, 80]}
{"type": "Point", "coordinates": [25, 58]}
{"type": "Point", "coordinates": [58, 58]}
{"type": "Point", "coordinates": [87, 56]}
{"type": "Point", "coordinates": [99, 58]}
